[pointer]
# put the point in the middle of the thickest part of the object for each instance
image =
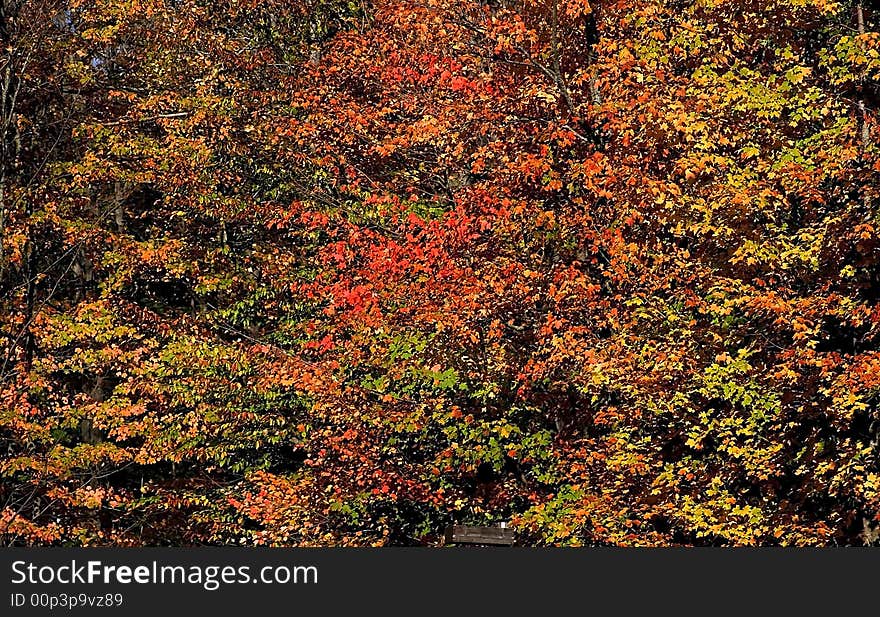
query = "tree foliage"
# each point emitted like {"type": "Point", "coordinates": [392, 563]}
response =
{"type": "Point", "coordinates": [342, 273]}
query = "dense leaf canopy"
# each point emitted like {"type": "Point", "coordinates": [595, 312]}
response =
{"type": "Point", "coordinates": [343, 273]}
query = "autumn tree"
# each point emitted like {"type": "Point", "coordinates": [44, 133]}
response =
{"type": "Point", "coordinates": [334, 273]}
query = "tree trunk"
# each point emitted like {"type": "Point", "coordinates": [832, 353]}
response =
{"type": "Point", "coordinates": [865, 128]}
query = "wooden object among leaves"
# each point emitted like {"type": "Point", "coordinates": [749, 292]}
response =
{"type": "Point", "coordinates": [493, 536]}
